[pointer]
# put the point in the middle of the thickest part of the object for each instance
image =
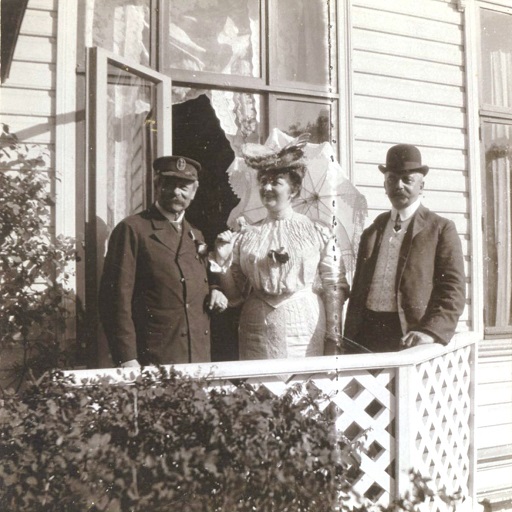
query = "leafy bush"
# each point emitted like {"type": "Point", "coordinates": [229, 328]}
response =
{"type": "Point", "coordinates": [33, 262]}
{"type": "Point", "coordinates": [167, 442]}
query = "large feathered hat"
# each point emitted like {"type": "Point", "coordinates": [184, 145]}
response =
{"type": "Point", "coordinates": [270, 158]}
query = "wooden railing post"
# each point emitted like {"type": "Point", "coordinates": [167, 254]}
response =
{"type": "Point", "coordinates": [405, 428]}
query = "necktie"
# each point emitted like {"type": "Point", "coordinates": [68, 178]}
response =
{"type": "Point", "coordinates": [398, 224]}
{"type": "Point", "coordinates": [176, 225]}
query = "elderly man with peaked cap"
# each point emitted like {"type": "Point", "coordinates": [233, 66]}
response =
{"type": "Point", "coordinates": [155, 298]}
{"type": "Point", "coordinates": [409, 283]}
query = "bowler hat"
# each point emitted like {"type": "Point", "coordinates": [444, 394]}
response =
{"type": "Point", "coordinates": [403, 158]}
{"type": "Point", "coordinates": [177, 166]}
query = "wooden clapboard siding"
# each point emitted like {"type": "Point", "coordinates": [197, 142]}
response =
{"type": "Point", "coordinates": [39, 23]}
{"type": "Point", "coordinates": [28, 95]}
{"type": "Point", "coordinates": [30, 75]}
{"type": "Point", "coordinates": [407, 24]}
{"type": "Point", "coordinates": [374, 153]}
{"type": "Point", "coordinates": [408, 86]}
{"type": "Point", "coordinates": [407, 111]}
{"type": "Point", "coordinates": [368, 84]}
{"type": "Point", "coordinates": [427, 137]}
{"type": "Point", "coordinates": [429, 10]}
{"type": "Point", "coordinates": [29, 130]}
{"type": "Point", "coordinates": [494, 422]}
{"type": "Point", "coordinates": [34, 49]}
{"type": "Point", "coordinates": [33, 103]}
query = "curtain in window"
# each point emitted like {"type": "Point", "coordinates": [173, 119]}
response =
{"type": "Point", "coordinates": [119, 26]}
{"type": "Point", "coordinates": [128, 141]}
{"type": "Point", "coordinates": [220, 36]}
{"type": "Point", "coordinates": [499, 158]}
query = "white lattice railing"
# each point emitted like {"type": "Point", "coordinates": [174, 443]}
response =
{"type": "Point", "coordinates": [418, 407]}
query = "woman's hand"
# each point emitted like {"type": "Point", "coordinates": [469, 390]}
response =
{"type": "Point", "coordinates": [224, 247]}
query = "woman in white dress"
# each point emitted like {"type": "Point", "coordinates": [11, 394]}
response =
{"type": "Point", "coordinates": [287, 269]}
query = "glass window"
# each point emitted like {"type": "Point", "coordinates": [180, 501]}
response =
{"type": "Point", "coordinates": [496, 92]}
{"type": "Point", "coordinates": [496, 28]}
{"type": "Point", "coordinates": [300, 116]}
{"type": "Point", "coordinates": [220, 36]}
{"type": "Point", "coordinates": [131, 146]}
{"type": "Point", "coordinates": [119, 26]}
{"type": "Point", "coordinates": [497, 139]}
{"type": "Point", "coordinates": [303, 41]}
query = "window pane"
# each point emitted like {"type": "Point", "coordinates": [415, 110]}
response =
{"type": "Point", "coordinates": [119, 26]}
{"type": "Point", "coordinates": [496, 28]}
{"type": "Point", "coordinates": [131, 143]}
{"type": "Point", "coordinates": [303, 42]}
{"type": "Point", "coordinates": [498, 224]}
{"type": "Point", "coordinates": [221, 36]}
{"type": "Point", "coordinates": [296, 117]}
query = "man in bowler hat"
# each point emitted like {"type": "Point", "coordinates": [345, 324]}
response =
{"type": "Point", "coordinates": [409, 283]}
{"type": "Point", "coordinates": [155, 296]}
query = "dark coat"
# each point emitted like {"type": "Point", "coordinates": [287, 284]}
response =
{"type": "Point", "coordinates": [153, 292]}
{"type": "Point", "coordinates": [430, 281]}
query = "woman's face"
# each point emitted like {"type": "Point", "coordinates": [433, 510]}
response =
{"type": "Point", "coordinates": [276, 191]}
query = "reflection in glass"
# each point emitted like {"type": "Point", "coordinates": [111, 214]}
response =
{"type": "Point", "coordinates": [296, 117]}
{"type": "Point", "coordinates": [221, 36]}
{"type": "Point", "coordinates": [130, 143]}
{"type": "Point", "coordinates": [119, 26]}
{"type": "Point", "coordinates": [304, 42]}
{"type": "Point", "coordinates": [498, 224]}
{"type": "Point", "coordinates": [496, 28]}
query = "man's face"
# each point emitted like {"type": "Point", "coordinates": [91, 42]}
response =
{"type": "Point", "coordinates": [175, 194]}
{"type": "Point", "coordinates": [403, 189]}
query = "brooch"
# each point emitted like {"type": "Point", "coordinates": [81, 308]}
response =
{"type": "Point", "coordinates": [279, 256]}
{"type": "Point", "coordinates": [201, 247]}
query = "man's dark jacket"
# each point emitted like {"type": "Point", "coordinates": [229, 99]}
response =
{"type": "Point", "coordinates": [430, 281]}
{"type": "Point", "coordinates": [153, 292]}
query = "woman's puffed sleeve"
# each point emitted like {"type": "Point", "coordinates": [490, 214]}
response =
{"type": "Point", "coordinates": [335, 288]}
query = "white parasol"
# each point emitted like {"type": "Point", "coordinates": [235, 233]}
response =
{"type": "Point", "coordinates": [327, 195]}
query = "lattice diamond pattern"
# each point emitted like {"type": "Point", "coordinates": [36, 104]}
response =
{"type": "Point", "coordinates": [365, 400]}
{"type": "Point", "coordinates": [443, 404]}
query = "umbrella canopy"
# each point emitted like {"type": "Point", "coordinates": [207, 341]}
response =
{"type": "Point", "coordinates": [327, 196]}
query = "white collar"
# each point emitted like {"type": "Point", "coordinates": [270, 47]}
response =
{"type": "Point", "coordinates": [171, 217]}
{"type": "Point", "coordinates": [406, 213]}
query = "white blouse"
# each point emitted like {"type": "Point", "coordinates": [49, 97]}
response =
{"type": "Point", "coordinates": [314, 259]}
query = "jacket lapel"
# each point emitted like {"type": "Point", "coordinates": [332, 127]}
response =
{"type": "Point", "coordinates": [163, 231]}
{"type": "Point", "coordinates": [187, 239]}
{"type": "Point", "coordinates": [372, 248]}
{"type": "Point", "coordinates": [417, 224]}
{"type": "Point", "coordinates": [375, 238]}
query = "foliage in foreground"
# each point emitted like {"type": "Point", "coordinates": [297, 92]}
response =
{"type": "Point", "coordinates": [169, 442]}
{"type": "Point", "coordinates": [33, 262]}
{"type": "Point", "coordinates": [172, 446]}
